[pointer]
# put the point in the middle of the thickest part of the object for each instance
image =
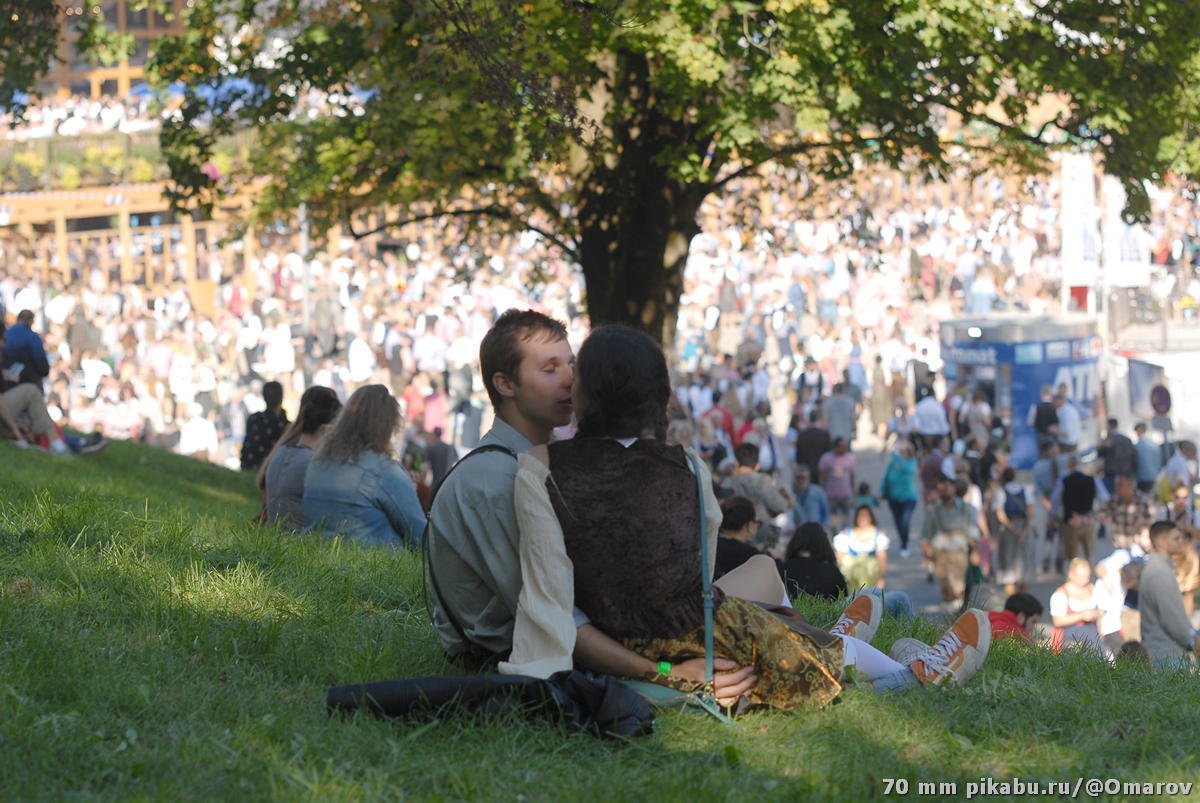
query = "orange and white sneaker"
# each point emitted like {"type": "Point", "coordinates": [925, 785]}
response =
{"type": "Point", "coordinates": [957, 655]}
{"type": "Point", "coordinates": [861, 618]}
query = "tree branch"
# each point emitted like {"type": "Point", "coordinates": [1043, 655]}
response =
{"type": "Point", "coordinates": [482, 211]}
{"type": "Point", "coordinates": [746, 169]}
{"type": "Point", "coordinates": [1034, 139]}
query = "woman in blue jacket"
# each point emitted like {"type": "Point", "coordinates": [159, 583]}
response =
{"type": "Point", "coordinates": [354, 486]}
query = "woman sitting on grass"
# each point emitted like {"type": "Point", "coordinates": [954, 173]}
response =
{"type": "Point", "coordinates": [811, 564]}
{"type": "Point", "coordinates": [354, 486]}
{"type": "Point", "coordinates": [1074, 611]}
{"type": "Point", "coordinates": [610, 522]}
{"type": "Point", "coordinates": [281, 476]}
{"type": "Point", "coordinates": [862, 550]}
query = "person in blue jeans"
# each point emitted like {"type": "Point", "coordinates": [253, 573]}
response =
{"type": "Point", "coordinates": [354, 486]}
{"type": "Point", "coordinates": [899, 488]}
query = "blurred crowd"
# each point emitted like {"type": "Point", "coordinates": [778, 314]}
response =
{"type": "Point", "coordinates": [805, 326]}
{"type": "Point", "coordinates": [141, 110]}
{"type": "Point", "coordinates": [77, 115]}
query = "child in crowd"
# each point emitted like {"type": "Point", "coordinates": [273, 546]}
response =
{"type": "Point", "coordinates": [864, 497]}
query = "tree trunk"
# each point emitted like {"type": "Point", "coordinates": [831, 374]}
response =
{"type": "Point", "coordinates": [636, 222]}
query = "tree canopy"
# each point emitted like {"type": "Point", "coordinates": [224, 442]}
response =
{"type": "Point", "coordinates": [604, 125]}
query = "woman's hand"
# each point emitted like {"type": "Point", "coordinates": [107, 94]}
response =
{"type": "Point", "coordinates": [730, 681]}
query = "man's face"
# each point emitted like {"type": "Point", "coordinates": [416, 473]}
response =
{"type": "Point", "coordinates": [945, 490]}
{"type": "Point", "coordinates": [1181, 498]}
{"type": "Point", "coordinates": [839, 448]}
{"type": "Point", "coordinates": [1170, 543]}
{"type": "Point", "coordinates": [802, 480]}
{"type": "Point", "coordinates": [542, 387]}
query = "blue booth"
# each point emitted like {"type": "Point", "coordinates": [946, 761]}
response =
{"type": "Point", "coordinates": [1012, 357]}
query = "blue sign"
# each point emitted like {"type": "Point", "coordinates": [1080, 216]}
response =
{"type": "Point", "coordinates": [1018, 371]}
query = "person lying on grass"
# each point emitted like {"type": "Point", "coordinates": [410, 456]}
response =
{"type": "Point", "coordinates": [474, 567]}
{"type": "Point", "coordinates": [609, 522]}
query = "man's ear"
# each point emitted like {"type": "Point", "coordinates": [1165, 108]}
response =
{"type": "Point", "coordinates": [504, 385]}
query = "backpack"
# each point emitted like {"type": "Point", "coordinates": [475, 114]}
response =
{"type": "Point", "coordinates": [1014, 505]}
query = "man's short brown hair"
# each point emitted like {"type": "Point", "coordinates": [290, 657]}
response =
{"type": "Point", "coordinates": [500, 351]}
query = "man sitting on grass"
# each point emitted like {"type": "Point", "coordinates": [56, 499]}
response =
{"type": "Point", "coordinates": [1021, 612]}
{"type": "Point", "coordinates": [473, 537]}
{"type": "Point", "coordinates": [1166, 631]}
{"type": "Point", "coordinates": [528, 370]}
{"type": "Point", "coordinates": [21, 402]}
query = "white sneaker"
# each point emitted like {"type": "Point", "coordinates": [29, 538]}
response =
{"type": "Point", "coordinates": [21, 443]}
{"type": "Point", "coordinates": [60, 448]}
{"type": "Point", "coordinates": [904, 553]}
{"type": "Point", "coordinates": [906, 650]}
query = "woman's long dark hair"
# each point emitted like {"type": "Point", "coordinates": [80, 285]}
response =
{"type": "Point", "coordinates": [811, 537]}
{"type": "Point", "coordinates": [624, 384]}
{"type": "Point", "coordinates": [318, 406]}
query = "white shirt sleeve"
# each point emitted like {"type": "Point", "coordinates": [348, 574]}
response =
{"type": "Point", "coordinates": [1058, 604]}
{"type": "Point", "coordinates": [841, 542]}
{"type": "Point", "coordinates": [544, 630]}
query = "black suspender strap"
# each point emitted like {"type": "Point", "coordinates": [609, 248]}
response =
{"type": "Point", "coordinates": [428, 573]}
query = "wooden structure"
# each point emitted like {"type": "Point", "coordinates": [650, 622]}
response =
{"type": "Point", "coordinates": [75, 73]}
{"type": "Point", "coordinates": [54, 236]}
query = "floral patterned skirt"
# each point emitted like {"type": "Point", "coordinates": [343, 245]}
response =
{"type": "Point", "coordinates": [792, 668]}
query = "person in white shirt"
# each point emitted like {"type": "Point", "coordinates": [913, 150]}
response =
{"type": "Point", "coordinates": [1178, 469]}
{"type": "Point", "coordinates": [700, 396]}
{"type": "Point", "coordinates": [929, 420]}
{"type": "Point", "coordinates": [1070, 425]}
{"type": "Point", "coordinates": [198, 436]}
{"type": "Point", "coordinates": [1110, 592]}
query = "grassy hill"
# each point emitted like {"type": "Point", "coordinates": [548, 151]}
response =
{"type": "Point", "coordinates": [155, 644]}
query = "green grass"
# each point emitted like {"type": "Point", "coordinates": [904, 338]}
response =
{"type": "Point", "coordinates": [156, 645]}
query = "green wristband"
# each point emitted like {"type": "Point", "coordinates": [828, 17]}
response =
{"type": "Point", "coordinates": [664, 667]}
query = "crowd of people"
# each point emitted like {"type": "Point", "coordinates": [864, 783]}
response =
{"type": "Point", "coordinates": [77, 115]}
{"type": "Point", "coordinates": [780, 380]}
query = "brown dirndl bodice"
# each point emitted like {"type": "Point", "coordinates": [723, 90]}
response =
{"type": "Point", "coordinates": [631, 525]}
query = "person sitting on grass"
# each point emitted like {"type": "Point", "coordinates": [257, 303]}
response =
{"type": "Point", "coordinates": [862, 550]}
{"type": "Point", "coordinates": [589, 539]}
{"type": "Point", "coordinates": [354, 486]}
{"type": "Point", "coordinates": [474, 569]}
{"type": "Point", "coordinates": [1074, 611]}
{"type": "Point", "coordinates": [1134, 652]}
{"type": "Point", "coordinates": [1166, 630]}
{"type": "Point", "coordinates": [810, 566]}
{"type": "Point", "coordinates": [281, 476]}
{"type": "Point", "coordinates": [263, 429]}
{"type": "Point", "coordinates": [1020, 614]}
{"type": "Point", "coordinates": [25, 418]}
{"type": "Point", "coordinates": [738, 527]}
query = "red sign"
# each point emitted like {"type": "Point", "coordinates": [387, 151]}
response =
{"type": "Point", "coordinates": [1160, 399]}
